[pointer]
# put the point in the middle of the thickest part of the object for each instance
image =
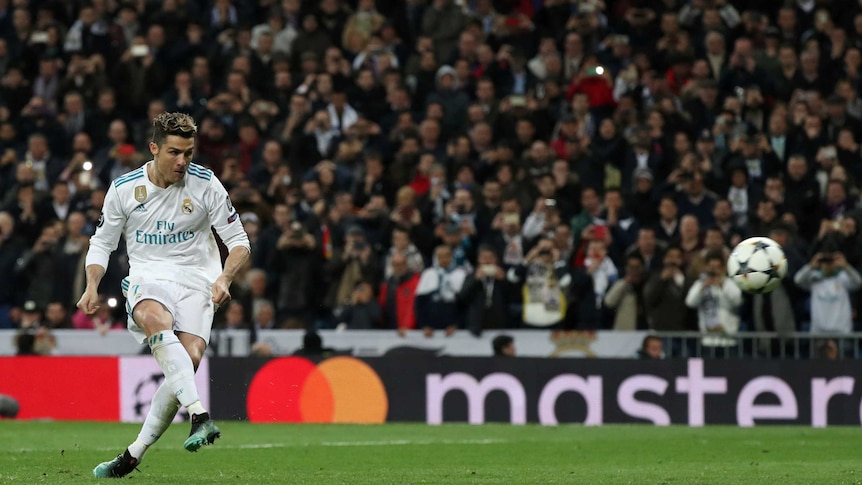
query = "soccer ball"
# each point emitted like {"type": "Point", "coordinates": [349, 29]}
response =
{"type": "Point", "coordinates": [757, 265]}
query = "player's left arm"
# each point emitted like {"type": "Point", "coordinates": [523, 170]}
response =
{"type": "Point", "coordinates": [221, 288]}
{"type": "Point", "coordinates": [225, 220]}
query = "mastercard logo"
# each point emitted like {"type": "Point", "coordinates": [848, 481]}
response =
{"type": "Point", "coordinates": [337, 390]}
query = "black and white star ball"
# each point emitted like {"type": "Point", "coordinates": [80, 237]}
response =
{"type": "Point", "coordinates": [757, 265]}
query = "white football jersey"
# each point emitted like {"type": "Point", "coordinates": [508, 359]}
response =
{"type": "Point", "coordinates": [167, 231]}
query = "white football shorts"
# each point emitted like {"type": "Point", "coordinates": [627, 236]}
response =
{"type": "Point", "coordinates": [192, 309]}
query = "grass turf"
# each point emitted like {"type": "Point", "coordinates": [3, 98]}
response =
{"type": "Point", "coordinates": [64, 452]}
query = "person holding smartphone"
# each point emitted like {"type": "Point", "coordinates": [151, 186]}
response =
{"type": "Point", "coordinates": [717, 299]}
{"type": "Point", "coordinates": [830, 279]}
{"type": "Point", "coordinates": [484, 294]}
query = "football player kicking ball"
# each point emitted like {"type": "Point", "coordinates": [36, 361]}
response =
{"type": "Point", "coordinates": [176, 281]}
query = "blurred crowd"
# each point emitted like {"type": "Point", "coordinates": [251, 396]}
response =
{"type": "Point", "coordinates": [445, 164]}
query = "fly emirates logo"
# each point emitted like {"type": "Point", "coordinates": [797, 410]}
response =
{"type": "Point", "coordinates": [642, 396]}
{"type": "Point", "coordinates": [164, 235]}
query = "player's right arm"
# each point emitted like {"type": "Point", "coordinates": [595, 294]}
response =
{"type": "Point", "coordinates": [112, 220]}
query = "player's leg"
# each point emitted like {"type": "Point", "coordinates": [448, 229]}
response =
{"type": "Point", "coordinates": [163, 408]}
{"type": "Point", "coordinates": [157, 322]}
{"type": "Point", "coordinates": [203, 431]}
{"type": "Point", "coordinates": [165, 405]}
{"type": "Point", "coordinates": [194, 345]}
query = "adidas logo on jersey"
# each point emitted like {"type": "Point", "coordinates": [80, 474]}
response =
{"type": "Point", "coordinates": [141, 208]}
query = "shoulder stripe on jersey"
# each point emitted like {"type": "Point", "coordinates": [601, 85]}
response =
{"type": "Point", "coordinates": [200, 173]}
{"type": "Point", "coordinates": [133, 173]}
{"type": "Point", "coordinates": [200, 170]}
{"type": "Point", "coordinates": [203, 177]}
{"type": "Point", "coordinates": [128, 175]}
{"type": "Point", "coordinates": [197, 171]}
{"type": "Point", "coordinates": [119, 182]}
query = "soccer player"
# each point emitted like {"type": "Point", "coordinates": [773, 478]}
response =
{"type": "Point", "coordinates": [176, 281]}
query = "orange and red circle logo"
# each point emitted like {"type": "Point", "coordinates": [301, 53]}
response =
{"type": "Point", "coordinates": [338, 390]}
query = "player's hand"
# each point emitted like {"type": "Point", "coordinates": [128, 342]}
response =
{"type": "Point", "coordinates": [89, 301]}
{"type": "Point", "coordinates": [221, 291]}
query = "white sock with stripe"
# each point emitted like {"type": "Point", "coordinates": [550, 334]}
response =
{"type": "Point", "coordinates": [178, 368]}
{"type": "Point", "coordinates": [163, 408]}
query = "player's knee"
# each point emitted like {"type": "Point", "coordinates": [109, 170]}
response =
{"type": "Point", "coordinates": [152, 317]}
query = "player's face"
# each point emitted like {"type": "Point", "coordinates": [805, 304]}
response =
{"type": "Point", "coordinates": [172, 158]}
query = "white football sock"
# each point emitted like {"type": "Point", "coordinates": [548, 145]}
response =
{"type": "Point", "coordinates": [178, 368]}
{"type": "Point", "coordinates": [163, 408]}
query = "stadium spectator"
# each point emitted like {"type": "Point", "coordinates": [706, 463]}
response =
{"type": "Point", "coordinates": [648, 249]}
{"type": "Point", "coordinates": [545, 280]}
{"type": "Point", "coordinates": [667, 229]}
{"type": "Point", "coordinates": [713, 242]}
{"type": "Point", "coordinates": [35, 341]}
{"type": "Point", "coordinates": [401, 244]}
{"type": "Point", "coordinates": [664, 295]}
{"type": "Point", "coordinates": [484, 293]}
{"type": "Point", "coordinates": [363, 312]}
{"type": "Point", "coordinates": [828, 350]}
{"type": "Point", "coordinates": [31, 315]}
{"type": "Point", "coordinates": [590, 283]}
{"type": "Point", "coordinates": [234, 317]}
{"type": "Point", "coordinates": [295, 269]}
{"type": "Point", "coordinates": [56, 316]}
{"type": "Point", "coordinates": [830, 279]}
{"type": "Point", "coordinates": [102, 321]}
{"type": "Point", "coordinates": [398, 294]}
{"type": "Point", "coordinates": [436, 304]}
{"type": "Point", "coordinates": [716, 298]}
{"type": "Point", "coordinates": [264, 316]}
{"type": "Point", "coordinates": [11, 248]}
{"type": "Point", "coordinates": [625, 297]}
{"type": "Point", "coordinates": [503, 346]}
{"type": "Point", "coordinates": [312, 346]}
{"type": "Point", "coordinates": [651, 348]}
{"type": "Point", "coordinates": [41, 268]}
{"type": "Point", "coordinates": [349, 266]}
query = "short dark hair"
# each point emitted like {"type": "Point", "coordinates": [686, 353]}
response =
{"type": "Point", "coordinates": [647, 229]}
{"type": "Point", "coordinates": [487, 248]}
{"type": "Point", "coordinates": [635, 257]}
{"type": "Point", "coordinates": [173, 124]}
{"type": "Point", "coordinates": [648, 339]}
{"type": "Point", "coordinates": [500, 342]}
{"type": "Point", "coordinates": [674, 247]}
{"type": "Point", "coordinates": [712, 255]}
{"type": "Point", "coordinates": [401, 228]}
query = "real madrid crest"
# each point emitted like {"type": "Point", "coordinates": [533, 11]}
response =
{"type": "Point", "coordinates": [141, 193]}
{"type": "Point", "coordinates": [188, 208]}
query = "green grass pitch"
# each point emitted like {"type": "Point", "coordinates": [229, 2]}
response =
{"type": "Point", "coordinates": [65, 453]}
